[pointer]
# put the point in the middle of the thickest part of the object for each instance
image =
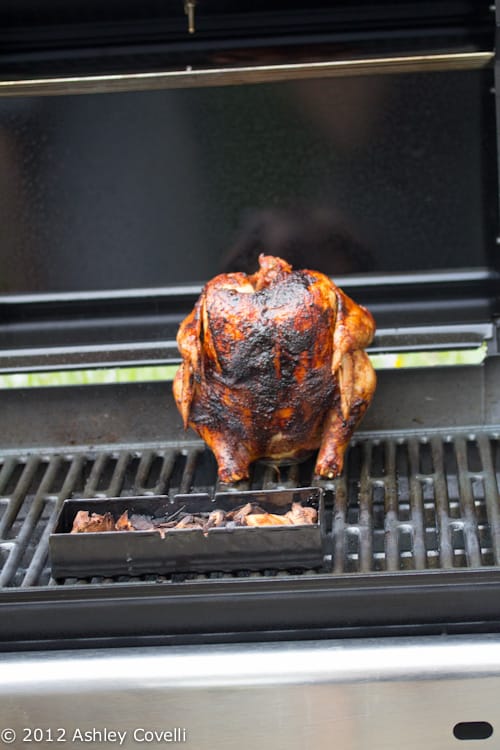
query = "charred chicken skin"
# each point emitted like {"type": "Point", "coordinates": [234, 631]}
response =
{"type": "Point", "coordinates": [273, 367]}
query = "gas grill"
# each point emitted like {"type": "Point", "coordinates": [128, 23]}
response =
{"type": "Point", "coordinates": [135, 143]}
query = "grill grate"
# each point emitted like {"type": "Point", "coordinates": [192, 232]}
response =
{"type": "Point", "coordinates": [413, 503]}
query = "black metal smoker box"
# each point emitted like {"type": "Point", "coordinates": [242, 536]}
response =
{"type": "Point", "coordinates": [143, 149]}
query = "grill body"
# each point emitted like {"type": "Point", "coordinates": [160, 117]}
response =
{"type": "Point", "coordinates": [412, 524]}
{"type": "Point", "coordinates": [128, 150]}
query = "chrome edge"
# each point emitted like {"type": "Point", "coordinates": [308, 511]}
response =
{"type": "Point", "coordinates": [351, 695]}
{"type": "Point", "coordinates": [227, 76]}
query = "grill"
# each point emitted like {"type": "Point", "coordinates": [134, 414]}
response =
{"type": "Point", "coordinates": [144, 152]}
{"type": "Point", "coordinates": [427, 502]}
{"type": "Point", "coordinates": [412, 524]}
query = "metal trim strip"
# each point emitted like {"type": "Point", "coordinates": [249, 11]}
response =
{"type": "Point", "coordinates": [192, 77]}
{"type": "Point", "coordinates": [482, 274]}
{"type": "Point", "coordinates": [164, 352]}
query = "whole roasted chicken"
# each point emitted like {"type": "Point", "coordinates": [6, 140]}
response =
{"type": "Point", "coordinates": [273, 367]}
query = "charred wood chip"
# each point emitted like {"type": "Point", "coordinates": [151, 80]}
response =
{"type": "Point", "coordinates": [80, 522]}
{"type": "Point", "coordinates": [300, 515]}
{"type": "Point", "coordinates": [176, 513]}
{"type": "Point", "coordinates": [250, 514]}
{"type": "Point", "coordinates": [238, 515]}
{"type": "Point", "coordinates": [141, 523]}
{"type": "Point", "coordinates": [215, 518]}
{"type": "Point", "coordinates": [85, 522]}
{"type": "Point", "coordinates": [185, 522]}
{"type": "Point", "coordinates": [200, 519]}
{"type": "Point", "coordinates": [123, 523]}
{"type": "Point", "coordinates": [267, 519]}
{"type": "Point", "coordinates": [196, 522]}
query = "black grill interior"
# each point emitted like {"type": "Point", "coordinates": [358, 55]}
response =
{"type": "Point", "coordinates": [403, 504]}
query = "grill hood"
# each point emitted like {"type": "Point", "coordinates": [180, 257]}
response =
{"type": "Point", "coordinates": [358, 138]}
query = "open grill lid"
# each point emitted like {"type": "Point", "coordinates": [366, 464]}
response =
{"type": "Point", "coordinates": [378, 167]}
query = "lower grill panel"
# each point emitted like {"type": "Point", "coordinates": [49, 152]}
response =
{"type": "Point", "coordinates": [403, 504]}
{"type": "Point", "coordinates": [431, 685]}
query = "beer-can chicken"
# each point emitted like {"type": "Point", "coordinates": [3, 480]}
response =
{"type": "Point", "coordinates": [274, 367]}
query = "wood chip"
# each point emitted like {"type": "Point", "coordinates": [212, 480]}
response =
{"type": "Point", "coordinates": [85, 522]}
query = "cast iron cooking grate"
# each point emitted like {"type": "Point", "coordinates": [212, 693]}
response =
{"type": "Point", "coordinates": [402, 504]}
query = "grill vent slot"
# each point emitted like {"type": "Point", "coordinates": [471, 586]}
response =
{"type": "Point", "coordinates": [472, 730]}
{"type": "Point", "coordinates": [402, 504]}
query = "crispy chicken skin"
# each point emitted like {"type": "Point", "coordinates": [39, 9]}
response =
{"type": "Point", "coordinates": [273, 367]}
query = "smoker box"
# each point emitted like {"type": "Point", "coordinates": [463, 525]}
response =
{"type": "Point", "coordinates": [187, 550]}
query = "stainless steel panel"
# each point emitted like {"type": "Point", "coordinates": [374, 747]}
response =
{"type": "Point", "coordinates": [347, 695]}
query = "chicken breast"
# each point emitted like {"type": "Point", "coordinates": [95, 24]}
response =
{"type": "Point", "coordinates": [273, 366]}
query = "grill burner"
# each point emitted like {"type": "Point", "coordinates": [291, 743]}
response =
{"type": "Point", "coordinates": [403, 504]}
